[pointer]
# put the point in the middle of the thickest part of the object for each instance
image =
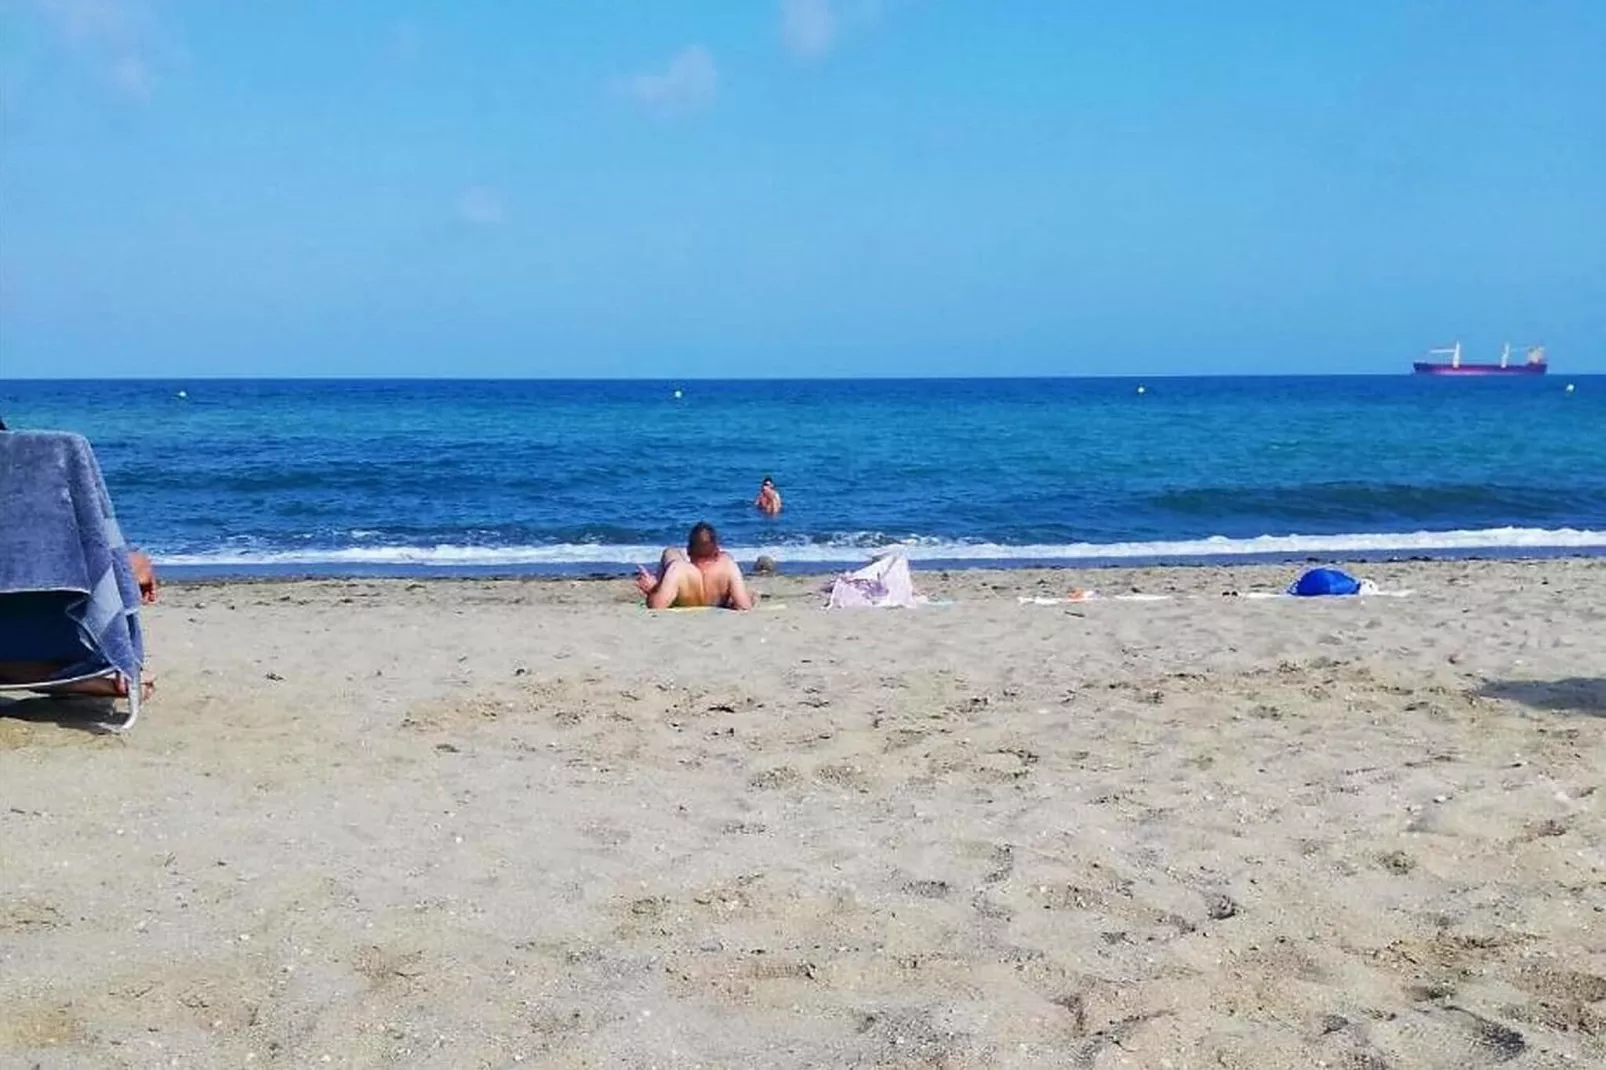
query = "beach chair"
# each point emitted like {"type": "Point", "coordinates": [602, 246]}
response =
{"type": "Point", "coordinates": [41, 626]}
{"type": "Point", "coordinates": [68, 596]}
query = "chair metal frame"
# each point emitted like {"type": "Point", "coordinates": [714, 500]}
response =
{"type": "Point", "coordinates": [52, 689]}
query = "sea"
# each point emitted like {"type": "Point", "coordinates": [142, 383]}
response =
{"type": "Point", "coordinates": [229, 477]}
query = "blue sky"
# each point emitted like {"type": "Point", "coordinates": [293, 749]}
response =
{"type": "Point", "coordinates": [808, 187]}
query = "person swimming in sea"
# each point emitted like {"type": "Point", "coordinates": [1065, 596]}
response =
{"type": "Point", "coordinates": [700, 575]}
{"type": "Point", "coordinates": [768, 501]}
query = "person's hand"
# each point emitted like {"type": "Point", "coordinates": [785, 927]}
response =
{"type": "Point", "coordinates": [644, 580]}
{"type": "Point", "coordinates": [144, 575]}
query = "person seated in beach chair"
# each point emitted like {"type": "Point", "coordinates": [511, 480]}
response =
{"type": "Point", "coordinates": [70, 588]}
{"type": "Point", "coordinates": [44, 652]}
{"type": "Point", "coordinates": [54, 619]}
{"type": "Point", "coordinates": [700, 575]}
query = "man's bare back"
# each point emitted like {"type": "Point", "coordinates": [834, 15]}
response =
{"type": "Point", "coordinates": [700, 575]}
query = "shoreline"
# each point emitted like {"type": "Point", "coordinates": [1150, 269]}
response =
{"type": "Point", "coordinates": [605, 570]}
{"type": "Point", "coordinates": [1180, 586]}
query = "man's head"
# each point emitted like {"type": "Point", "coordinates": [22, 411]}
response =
{"type": "Point", "coordinates": [702, 544]}
{"type": "Point", "coordinates": [768, 482]}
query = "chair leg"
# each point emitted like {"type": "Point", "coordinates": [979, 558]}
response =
{"type": "Point", "coordinates": [126, 723]}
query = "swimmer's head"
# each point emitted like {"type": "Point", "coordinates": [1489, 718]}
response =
{"type": "Point", "coordinates": [768, 482]}
{"type": "Point", "coordinates": [703, 542]}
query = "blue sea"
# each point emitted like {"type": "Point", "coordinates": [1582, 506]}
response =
{"type": "Point", "coordinates": [430, 476]}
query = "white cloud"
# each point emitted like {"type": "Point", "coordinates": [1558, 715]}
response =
{"type": "Point", "coordinates": [689, 84]}
{"type": "Point", "coordinates": [809, 27]}
{"type": "Point", "coordinates": [481, 207]}
{"type": "Point", "coordinates": [117, 36]}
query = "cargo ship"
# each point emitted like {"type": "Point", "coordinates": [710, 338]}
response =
{"type": "Point", "coordinates": [1534, 364]}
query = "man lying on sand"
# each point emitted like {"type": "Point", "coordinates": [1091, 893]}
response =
{"type": "Point", "coordinates": [701, 575]}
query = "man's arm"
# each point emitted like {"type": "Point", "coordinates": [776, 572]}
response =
{"type": "Point", "coordinates": [660, 594]}
{"type": "Point", "coordinates": [738, 597]}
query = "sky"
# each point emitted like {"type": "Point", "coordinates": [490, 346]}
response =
{"type": "Point", "coordinates": [647, 188]}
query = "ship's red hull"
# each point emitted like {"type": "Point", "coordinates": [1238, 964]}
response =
{"type": "Point", "coordinates": [1423, 367]}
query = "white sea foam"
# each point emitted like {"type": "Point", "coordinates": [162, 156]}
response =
{"type": "Point", "coordinates": [1507, 540]}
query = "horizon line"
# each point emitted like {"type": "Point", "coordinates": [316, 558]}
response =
{"type": "Point", "coordinates": [713, 378]}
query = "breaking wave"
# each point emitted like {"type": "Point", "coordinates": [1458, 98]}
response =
{"type": "Point", "coordinates": [857, 546]}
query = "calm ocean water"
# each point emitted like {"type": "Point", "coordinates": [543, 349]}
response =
{"type": "Point", "coordinates": [251, 476]}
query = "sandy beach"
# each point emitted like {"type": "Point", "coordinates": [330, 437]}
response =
{"type": "Point", "coordinates": [488, 823]}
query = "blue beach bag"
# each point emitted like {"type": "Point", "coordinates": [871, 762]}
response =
{"type": "Point", "coordinates": [1320, 581]}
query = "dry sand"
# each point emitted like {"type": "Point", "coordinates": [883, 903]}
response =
{"type": "Point", "coordinates": [465, 824]}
